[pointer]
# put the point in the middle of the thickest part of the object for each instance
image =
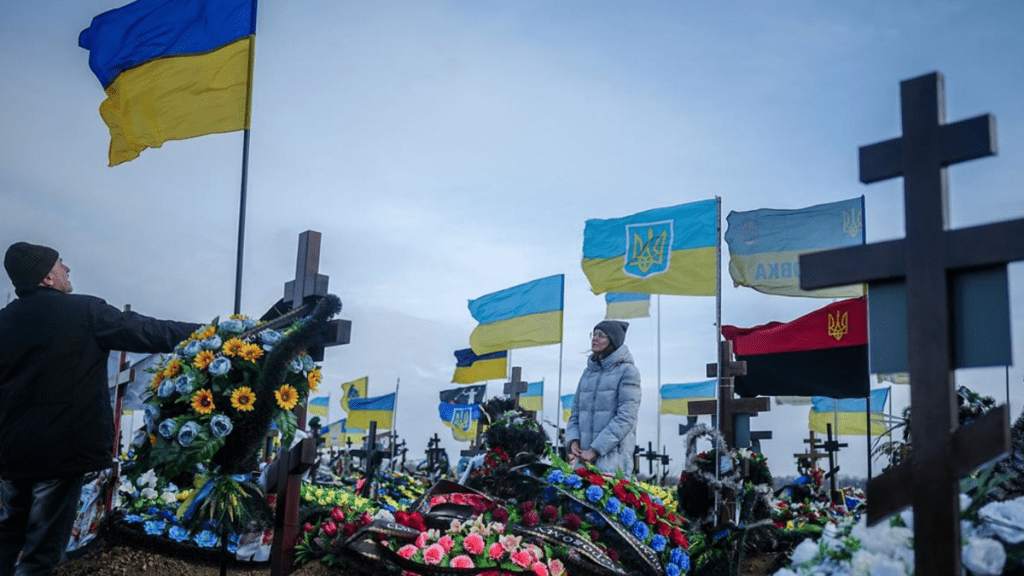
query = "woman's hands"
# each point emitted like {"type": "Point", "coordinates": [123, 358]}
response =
{"type": "Point", "coordinates": [575, 454]}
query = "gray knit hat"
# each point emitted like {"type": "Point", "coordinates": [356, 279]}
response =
{"type": "Point", "coordinates": [27, 264]}
{"type": "Point", "coordinates": [615, 330]}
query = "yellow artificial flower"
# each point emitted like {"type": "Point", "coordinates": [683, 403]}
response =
{"type": "Point", "coordinates": [251, 352]}
{"type": "Point", "coordinates": [202, 401]}
{"type": "Point", "coordinates": [172, 369]}
{"type": "Point", "coordinates": [152, 439]}
{"type": "Point", "coordinates": [238, 317]}
{"type": "Point", "coordinates": [233, 346]}
{"type": "Point", "coordinates": [203, 359]}
{"type": "Point", "coordinates": [287, 397]}
{"type": "Point", "coordinates": [314, 378]}
{"type": "Point", "coordinates": [243, 399]}
{"type": "Point", "coordinates": [208, 332]}
{"type": "Point", "coordinates": [157, 379]}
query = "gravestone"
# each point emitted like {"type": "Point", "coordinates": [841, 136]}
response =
{"type": "Point", "coordinates": [932, 261]}
{"type": "Point", "coordinates": [732, 414]}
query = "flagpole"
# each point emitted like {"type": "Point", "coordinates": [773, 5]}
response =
{"type": "Point", "coordinates": [558, 414]}
{"type": "Point", "coordinates": [868, 416]}
{"type": "Point", "coordinates": [245, 164]}
{"type": "Point", "coordinates": [718, 335]}
{"type": "Point", "coordinates": [394, 420]}
{"type": "Point", "coordinates": [661, 470]}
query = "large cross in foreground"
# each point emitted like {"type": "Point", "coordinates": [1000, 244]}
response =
{"type": "Point", "coordinates": [927, 259]}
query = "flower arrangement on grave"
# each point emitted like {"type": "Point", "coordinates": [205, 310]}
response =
{"type": "Point", "coordinates": [211, 403]}
{"type": "Point", "coordinates": [512, 439]}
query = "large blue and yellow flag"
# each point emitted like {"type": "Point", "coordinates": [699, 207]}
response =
{"type": "Point", "coordinates": [765, 245]}
{"type": "Point", "coordinates": [849, 413]}
{"type": "Point", "coordinates": [471, 368]}
{"type": "Point", "coordinates": [380, 409]}
{"type": "Point", "coordinates": [172, 70]}
{"type": "Point", "coordinates": [519, 317]}
{"type": "Point", "coordinates": [319, 406]}
{"type": "Point", "coordinates": [621, 305]}
{"type": "Point", "coordinates": [337, 434]}
{"type": "Point", "coordinates": [676, 398]}
{"type": "Point", "coordinates": [662, 251]}
{"type": "Point", "coordinates": [354, 389]}
{"type": "Point", "coordinates": [533, 398]}
{"type": "Point", "coordinates": [566, 402]}
{"type": "Point", "coordinates": [461, 418]}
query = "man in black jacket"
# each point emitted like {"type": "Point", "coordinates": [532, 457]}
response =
{"type": "Point", "coordinates": [56, 421]}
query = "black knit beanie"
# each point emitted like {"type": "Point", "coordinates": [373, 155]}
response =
{"type": "Point", "coordinates": [615, 330]}
{"type": "Point", "coordinates": [27, 264]}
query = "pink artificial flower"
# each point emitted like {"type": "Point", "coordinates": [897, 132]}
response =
{"type": "Point", "coordinates": [511, 543]}
{"type": "Point", "coordinates": [462, 561]}
{"type": "Point", "coordinates": [421, 540]}
{"type": "Point", "coordinates": [338, 514]}
{"type": "Point", "coordinates": [522, 558]}
{"type": "Point", "coordinates": [407, 551]}
{"type": "Point", "coordinates": [434, 554]}
{"type": "Point", "coordinates": [556, 567]}
{"type": "Point", "coordinates": [446, 542]}
{"type": "Point", "coordinates": [496, 551]}
{"type": "Point", "coordinates": [474, 543]}
{"type": "Point", "coordinates": [539, 568]}
{"type": "Point", "coordinates": [459, 498]}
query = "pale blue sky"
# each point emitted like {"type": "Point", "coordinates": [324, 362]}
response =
{"type": "Point", "coordinates": [451, 149]}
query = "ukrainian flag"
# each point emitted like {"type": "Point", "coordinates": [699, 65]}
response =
{"type": "Point", "coordinates": [533, 398]}
{"type": "Point", "coordinates": [662, 251]}
{"type": "Point", "coordinates": [525, 315]}
{"type": "Point", "coordinates": [765, 245]}
{"type": "Point", "coordinates": [172, 70]}
{"type": "Point", "coordinates": [471, 368]}
{"type": "Point", "coordinates": [461, 418]}
{"type": "Point", "coordinates": [319, 406]}
{"type": "Point", "coordinates": [850, 413]}
{"type": "Point", "coordinates": [676, 398]}
{"type": "Point", "coordinates": [354, 389]}
{"type": "Point", "coordinates": [622, 305]}
{"type": "Point", "coordinates": [380, 409]}
{"type": "Point", "coordinates": [337, 434]}
{"type": "Point", "coordinates": [566, 406]}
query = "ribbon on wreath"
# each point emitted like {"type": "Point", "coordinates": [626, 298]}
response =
{"type": "Point", "coordinates": [204, 484]}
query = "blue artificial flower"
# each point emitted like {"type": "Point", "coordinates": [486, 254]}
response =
{"type": "Point", "coordinates": [556, 476]}
{"type": "Point", "coordinates": [657, 500]}
{"type": "Point", "coordinates": [249, 323]}
{"type": "Point", "coordinates": [213, 343]}
{"type": "Point", "coordinates": [295, 366]}
{"type": "Point", "coordinates": [154, 527]}
{"type": "Point", "coordinates": [192, 348]}
{"type": "Point", "coordinates": [188, 433]}
{"type": "Point", "coordinates": [133, 518]}
{"type": "Point", "coordinates": [183, 384]}
{"type": "Point", "coordinates": [575, 508]}
{"type": "Point", "coordinates": [169, 516]}
{"type": "Point", "coordinates": [220, 366]}
{"type": "Point", "coordinates": [641, 531]}
{"type": "Point", "coordinates": [307, 362]}
{"type": "Point", "coordinates": [596, 520]}
{"type": "Point", "coordinates": [613, 505]}
{"type": "Point", "coordinates": [220, 425]}
{"type": "Point", "coordinates": [658, 543]}
{"type": "Point", "coordinates": [232, 325]}
{"type": "Point", "coordinates": [178, 534]}
{"type": "Point", "coordinates": [684, 564]}
{"type": "Point", "coordinates": [206, 539]}
{"type": "Point", "coordinates": [152, 510]}
{"type": "Point", "coordinates": [676, 556]}
{"type": "Point", "coordinates": [150, 413]}
{"type": "Point", "coordinates": [389, 508]}
{"type": "Point", "coordinates": [594, 493]}
{"type": "Point", "coordinates": [672, 570]}
{"type": "Point", "coordinates": [168, 428]}
{"type": "Point", "coordinates": [627, 517]}
{"type": "Point", "coordinates": [720, 535]}
{"type": "Point", "coordinates": [165, 389]}
{"type": "Point", "coordinates": [573, 481]}
{"type": "Point", "coordinates": [270, 337]}
{"type": "Point", "coordinates": [550, 493]}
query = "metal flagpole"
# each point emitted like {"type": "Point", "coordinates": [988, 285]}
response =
{"type": "Point", "coordinates": [245, 166]}
{"type": "Point", "coordinates": [718, 338]}
{"type": "Point", "coordinates": [394, 419]}
{"type": "Point", "coordinates": [658, 436]}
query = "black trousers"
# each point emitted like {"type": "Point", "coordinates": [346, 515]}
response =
{"type": "Point", "coordinates": [36, 517]}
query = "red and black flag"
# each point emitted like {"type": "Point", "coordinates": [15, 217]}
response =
{"type": "Point", "coordinates": [824, 353]}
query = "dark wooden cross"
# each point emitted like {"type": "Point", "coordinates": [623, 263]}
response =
{"type": "Point", "coordinates": [516, 386]}
{"type": "Point", "coordinates": [831, 447]}
{"type": "Point", "coordinates": [309, 284]}
{"type": "Point", "coordinates": [285, 472]}
{"type": "Point", "coordinates": [371, 459]}
{"type": "Point", "coordinates": [434, 452]}
{"type": "Point", "coordinates": [928, 259]}
{"type": "Point", "coordinates": [727, 409]}
{"type": "Point", "coordinates": [652, 456]}
{"type": "Point", "coordinates": [812, 455]}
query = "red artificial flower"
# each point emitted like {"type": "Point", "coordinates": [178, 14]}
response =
{"type": "Point", "coordinates": [597, 480]}
{"type": "Point", "coordinates": [496, 551]}
{"type": "Point", "coordinates": [619, 491]}
{"type": "Point", "coordinates": [446, 542]}
{"type": "Point", "coordinates": [338, 514]}
{"type": "Point", "coordinates": [500, 515]}
{"type": "Point", "coordinates": [459, 499]}
{"type": "Point", "coordinates": [523, 559]}
{"type": "Point", "coordinates": [594, 535]}
{"type": "Point", "coordinates": [549, 513]}
{"type": "Point", "coordinates": [462, 561]}
{"type": "Point", "coordinates": [433, 554]}
{"type": "Point", "coordinates": [531, 518]}
{"type": "Point", "coordinates": [473, 543]}
{"type": "Point", "coordinates": [329, 528]}
{"type": "Point", "coordinates": [650, 516]}
{"type": "Point", "coordinates": [348, 529]}
{"type": "Point", "coordinates": [571, 521]}
{"type": "Point", "coordinates": [539, 568]}
{"type": "Point", "coordinates": [526, 507]}
{"type": "Point", "coordinates": [662, 527]}
{"type": "Point", "coordinates": [678, 538]}
{"type": "Point", "coordinates": [308, 527]}
{"type": "Point", "coordinates": [407, 551]}
{"type": "Point", "coordinates": [612, 554]}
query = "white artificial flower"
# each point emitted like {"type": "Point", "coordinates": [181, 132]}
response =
{"type": "Point", "coordinates": [148, 493]}
{"type": "Point", "coordinates": [169, 497]}
{"type": "Point", "coordinates": [384, 514]}
{"type": "Point", "coordinates": [126, 487]}
{"type": "Point", "coordinates": [147, 479]}
{"type": "Point", "coordinates": [908, 517]}
{"type": "Point", "coordinates": [785, 572]}
{"type": "Point", "coordinates": [1004, 519]}
{"type": "Point", "coordinates": [804, 551]}
{"type": "Point", "coordinates": [965, 501]}
{"type": "Point", "coordinates": [984, 557]}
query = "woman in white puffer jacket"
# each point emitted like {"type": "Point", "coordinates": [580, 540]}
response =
{"type": "Point", "coordinates": [602, 422]}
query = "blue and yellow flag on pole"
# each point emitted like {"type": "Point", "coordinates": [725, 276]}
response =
{"type": "Point", "coordinates": [519, 317]}
{"type": "Point", "coordinates": [319, 406]}
{"type": "Point", "coordinates": [676, 398]}
{"type": "Point", "coordinates": [337, 434]}
{"type": "Point", "coordinates": [849, 413]}
{"type": "Point", "coordinates": [172, 70]}
{"type": "Point", "coordinates": [533, 398]}
{"type": "Point", "coordinates": [471, 368]}
{"type": "Point", "coordinates": [380, 409]}
{"type": "Point", "coordinates": [566, 402]}
{"type": "Point", "coordinates": [765, 245]}
{"type": "Point", "coordinates": [622, 305]}
{"type": "Point", "coordinates": [662, 251]}
{"type": "Point", "coordinates": [461, 418]}
{"type": "Point", "coordinates": [354, 389]}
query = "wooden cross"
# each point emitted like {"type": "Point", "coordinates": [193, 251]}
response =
{"type": "Point", "coordinates": [372, 458]}
{"type": "Point", "coordinates": [434, 452]}
{"type": "Point", "coordinates": [928, 258]}
{"type": "Point", "coordinates": [727, 408]}
{"type": "Point", "coordinates": [651, 455]}
{"type": "Point", "coordinates": [812, 455]}
{"type": "Point", "coordinates": [831, 447]}
{"type": "Point", "coordinates": [283, 474]}
{"type": "Point", "coordinates": [516, 386]}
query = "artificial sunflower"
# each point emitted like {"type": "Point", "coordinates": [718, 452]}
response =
{"type": "Point", "coordinates": [172, 368]}
{"type": "Point", "coordinates": [203, 359]}
{"type": "Point", "coordinates": [314, 378]}
{"type": "Point", "coordinates": [202, 402]}
{"type": "Point", "coordinates": [233, 347]}
{"type": "Point", "coordinates": [287, 397]}
{"type": "Point", "coordinates": [243, 399]}
{"type": "Point", "coordinates": [251, 352]}
{"type": "Point", "coordinates": [157, 379]}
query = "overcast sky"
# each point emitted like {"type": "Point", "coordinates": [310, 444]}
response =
{"type": "Point", "coordinates": [446, 150]}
